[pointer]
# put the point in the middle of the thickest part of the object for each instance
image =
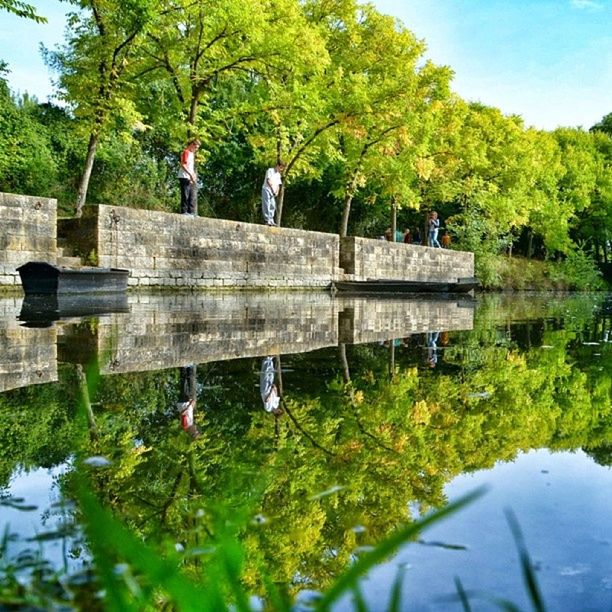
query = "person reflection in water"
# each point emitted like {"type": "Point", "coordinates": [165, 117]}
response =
{"type": "Point", "coordinates": [432, 348]}
{"type": "Point", "coordinates": [267, 388]}
{"type": "Point", "coordinates": [187, 400]}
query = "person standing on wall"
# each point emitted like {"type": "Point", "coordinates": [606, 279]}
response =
{"type": "Point", "coordinates": [433, 225]}
{"type": "Point", "coordinates": [446, 240]}
{"type": "Point", "coordinates": [269, 191]}
{"type": "Point", "coordinates": [188, 179]}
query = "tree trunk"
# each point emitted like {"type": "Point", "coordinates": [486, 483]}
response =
{"type": "Point", "coordinates": [193, 114]}
{"type": "Point", "coordinates": [348, 199]}
{"type": "Point", "coordinates": [278, 365]}
{"type": "Point", "coordinates": [346, 374]}
{"type": "Point", "coordinates": [84, 184]}
{"type": "Point", "coordinates": [393, 219]}
{"type": "Point", "coordinates": [191, 133]}
{"type": "Point", "coordinates": [350, 191]}
{"type": "Point", "coordinates": [279, 204]}
{"type": "Point", "coordinates": [530, 245]}
{"type": "Point", "coordinates": [391, 358]}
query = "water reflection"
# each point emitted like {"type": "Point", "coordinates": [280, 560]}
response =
{"type": "Point", "coordinates": [267, 387]}
{"type": "Point", "coordinates": [371, 435]}
{"type": "Point", "coordinates": [44, 310]}
{"type": "Point", "coordinates": [27, 356]}
{"type": "Point", "coordinates": [432, 348]}
{"type": "Point", "coordinates": [186, 405]}
{"type": "Point", "coordinates": [166, 331]}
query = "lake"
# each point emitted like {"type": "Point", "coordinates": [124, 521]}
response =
{"type": "Point", "coordinates": [299, 431]}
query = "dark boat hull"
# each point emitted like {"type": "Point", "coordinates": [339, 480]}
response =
{"type": "Point", "coordinates": [463, 285]}
{"type": "Point", "coordinates": [41, 278]}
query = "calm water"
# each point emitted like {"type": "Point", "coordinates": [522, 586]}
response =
{"type": "Point", "coordinates": [316, 427]}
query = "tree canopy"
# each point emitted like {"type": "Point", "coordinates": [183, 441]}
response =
{"type": "Point", "coordinates": [338, 91]}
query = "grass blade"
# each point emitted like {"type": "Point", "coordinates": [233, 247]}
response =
{"type": "Point", "coordinates": [232, 563]}
{"type": "Point", "coordinates": [277, 599]}
{"type": "Point", "coordinates": [527, 567]}
{"type": "Point", "coordinates": [109, 539]}
{"type": "Point", "coordinates": [465, 602]}
{"type": "Point", "coordinates": [360, 604]}
{"type": "Point", "coordinates": [395, 604]}
{"type": "Point", "coordinates": [388, 546]}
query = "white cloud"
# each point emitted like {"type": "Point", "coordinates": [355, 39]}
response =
{"type": "Point", "coordinates": [589, 5]}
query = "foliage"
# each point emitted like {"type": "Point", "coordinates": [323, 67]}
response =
{"type": "Point", "coordinates": [575, 271]}
{"type": "Point", "coordinates": [578, 271]}
{"type": "Point", "coordinates": [22, 9]}
{"type": "Point", "coordinates": [605, 125]}
{"type": "Point", "coordinates": [27, 163]}
{"type": "Point", "coordinates": [26, 442]}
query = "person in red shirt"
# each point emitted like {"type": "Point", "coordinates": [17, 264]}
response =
{"type": "Point", "coordinates": [188, 179]}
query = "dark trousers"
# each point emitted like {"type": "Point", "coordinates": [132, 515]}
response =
{"type": "Point", "coordinates": [189, 196]}
{"type": "Point", "coordinates": [187, 377]}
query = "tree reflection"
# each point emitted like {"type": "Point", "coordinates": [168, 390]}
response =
{"type": "Point", "coordinates": [354, 450]}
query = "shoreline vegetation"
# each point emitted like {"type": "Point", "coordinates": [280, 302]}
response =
{"type": "Point", "coordinates": [503, 273]}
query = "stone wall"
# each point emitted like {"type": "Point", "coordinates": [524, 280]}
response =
{"type": "Point", "coordinates": [27, 233]}
{"type": "Point", "coordinates": [166, 331]}
{"type": "Point", "coordinates": [365, 259]}
{"type": "Point", "coordinates": [172, 330]}
{"type": "Point", "coordinates": [170, 250]}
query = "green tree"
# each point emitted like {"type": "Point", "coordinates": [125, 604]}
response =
{"type": "Point", "coordinates": [605, 125]}
{"type": "Point", "coordinates": [27, 163]}
{"type": "Point", "coordinates": [383, 101]}
{"type": "Point", "coordinates": [93, 69]}
{"type": "Point", "coordinates": [593, 226]}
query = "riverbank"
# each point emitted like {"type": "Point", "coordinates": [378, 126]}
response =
{"type": "Point", "coordinates": [502, 273]}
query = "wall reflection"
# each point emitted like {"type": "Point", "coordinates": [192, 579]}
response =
{"type": "Point", "coordinates": [28, 355]}
{"type": "Point", "coordinates": [154, 332]}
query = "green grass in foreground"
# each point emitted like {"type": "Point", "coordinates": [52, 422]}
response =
{"type": "Point", "coordinates": [131, 575]}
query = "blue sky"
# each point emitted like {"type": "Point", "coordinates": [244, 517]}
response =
{"type": "Point", "coordinates": [549, 61]}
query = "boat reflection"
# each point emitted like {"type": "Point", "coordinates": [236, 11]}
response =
{"type": "Point", "coordinates": [43, 310]}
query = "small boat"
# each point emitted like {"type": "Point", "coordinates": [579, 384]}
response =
{"type": "Point", "coordinates": [39, 277]}
{"type": "Point", "coordinates": [462, 285]}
